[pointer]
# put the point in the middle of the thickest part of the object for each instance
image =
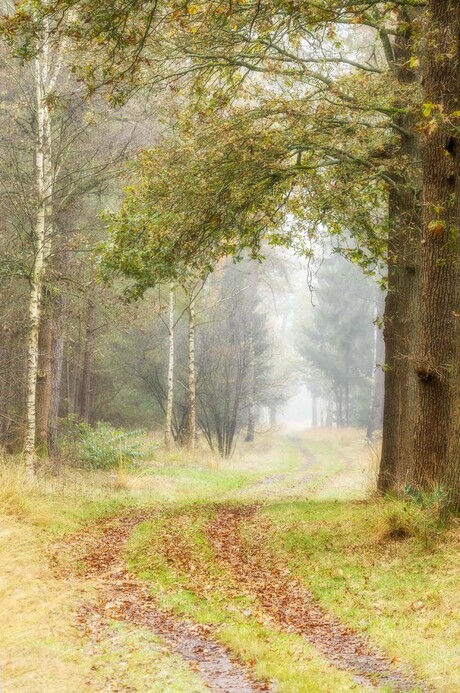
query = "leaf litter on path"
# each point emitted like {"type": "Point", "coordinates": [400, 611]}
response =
{"type": "Point", "coordinates": [290, 606]}
{"type": "Point", "coordinates": [282, 601]}
{"type": "Point", "coordinates": [124, 598]}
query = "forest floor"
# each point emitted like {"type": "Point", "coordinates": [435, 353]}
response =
{"type": "Point", "coordinates": [272, 571]}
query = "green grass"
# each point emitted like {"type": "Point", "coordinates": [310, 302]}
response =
{"type": "Point", "coordinates": [135, 660]}
{"type": "Point", "coordinates": [287, 659]}
{"type": "Point", "coordinates": [402, 593]}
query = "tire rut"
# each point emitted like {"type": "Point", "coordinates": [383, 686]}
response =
{"type": "Point", "coordinates": [294, 609]}
{"type": "Point", "coordinates": [124, 598]}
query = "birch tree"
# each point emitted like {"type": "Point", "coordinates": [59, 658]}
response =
{"type": "Point", "coordinates": [377, 95]}
{"type": "Point", "coordinates": [170, 386]}
{"type": "Point", "coordinates": [46, 69]}
{"type": "Point", "coordinates": [191, 392]}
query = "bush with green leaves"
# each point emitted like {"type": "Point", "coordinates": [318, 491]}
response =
{"type": "Point", "coordinates": [105, 447]}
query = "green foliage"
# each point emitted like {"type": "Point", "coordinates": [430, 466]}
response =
{"type": "Point", "coordinates": [104, 447]}
{"type": "Point", "coordinates": [308, 147]}
{"type": "Point", "coordinates": [196, 198]}
{"type": "Point", "coordinates": [223, 183]}
{"type": "Point", "coordinates": [425, 499]}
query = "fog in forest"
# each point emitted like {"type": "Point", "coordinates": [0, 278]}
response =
{"type": "Point", "coordinates": [267, 344]}
{"type": "Point", "coordinates": [229, 346]}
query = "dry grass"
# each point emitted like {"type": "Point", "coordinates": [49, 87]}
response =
{"type": "Point", "coordinates": [40, 649]}
{"type": "Point", "coordinates": [345, 465]}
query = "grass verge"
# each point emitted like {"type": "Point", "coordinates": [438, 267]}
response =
{"type": "Point", "coordinates": [403, 593]}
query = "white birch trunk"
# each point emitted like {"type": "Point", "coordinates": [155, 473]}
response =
{"type": "Point", "coordinates": [44, 83]}
{"type": "Point", "coordinates": [170, 395]}
{"type": "Point", "coordinates": [191, 422]}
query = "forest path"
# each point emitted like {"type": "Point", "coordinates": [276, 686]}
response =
{"type": "Point", "coordinates": [245, 568]}
{"type": "Point", "coordinates": [290, 606]}
{"type": "Point", "coordinates": [121, 597]}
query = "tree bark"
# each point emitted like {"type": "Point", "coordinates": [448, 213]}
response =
{"type": "Point", "coordinates": [436, 429]}
{"type": "Point", "coordinates": [191, 395]}
{"type": "Point", "coordinates": [401, 304]}
{"type": "Point", "coordinates": [42, 245]}
{"type": "Point", "coordinates": [170, 386]}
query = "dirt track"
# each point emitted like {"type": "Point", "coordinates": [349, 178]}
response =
{"type": "Point", "coordinates": [285, 603]}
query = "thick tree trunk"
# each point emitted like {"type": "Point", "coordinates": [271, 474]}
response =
{"type": "Point", "coordinates": [170, 385]}
{"type": "Point", "coordinates": [400, 320]}
{"type": "Point", "coordinates": [440, 270]}
{"type": "Point", "coordinates": [401, 305]}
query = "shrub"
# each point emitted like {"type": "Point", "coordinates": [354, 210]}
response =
{"type": "Point", "coordinates": [104, 447]}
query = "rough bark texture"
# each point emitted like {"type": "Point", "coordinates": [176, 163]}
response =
{"type": "Point", "coordinates": [401, 306]}
{"type": "Point", "coordinates": [42, 238]}
{"type": "Point", "coordinates": [440, 269]}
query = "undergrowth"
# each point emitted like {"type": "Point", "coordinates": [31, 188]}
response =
{"type": "Point", "coordinates": [419, 514]}
{"type": "Point", "coordinates": [103, 446]}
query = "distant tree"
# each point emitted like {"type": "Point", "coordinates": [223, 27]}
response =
{"type": "Point", "coordinates": [336, 345]}
{"type": "Point", "coordinates": [227, 349]}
